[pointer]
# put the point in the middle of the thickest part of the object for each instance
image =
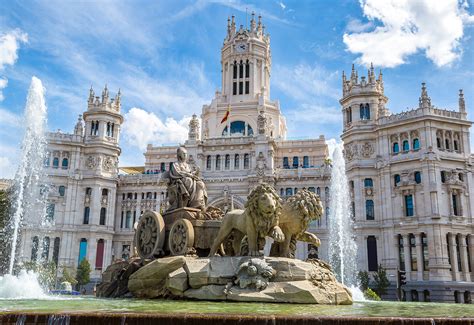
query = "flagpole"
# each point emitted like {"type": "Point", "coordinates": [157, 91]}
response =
{"type": "Point", "coordinates": [228, 121]}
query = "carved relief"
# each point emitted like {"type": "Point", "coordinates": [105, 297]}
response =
{"type": "Point", "coordinates": [91, 162]}
{"type": "Point", "coordinates": [367, 150]}
{"type": "Point", "coordinates": [261, 165]}
{"type": "Point", "coordinates": [108, 163]}
{"type": "Point", "coordinates": [350, 151]}
{"type": "Point", "coordinates": [262, 123]}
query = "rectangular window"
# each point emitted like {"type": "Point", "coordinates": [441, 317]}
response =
{"type": "Point", "coordinates": [401, 253]}
{"type": "Point", "coordinates": [413, 259]}
{"type": "Point", "coordinates": [234, 88]}
{"type": "Point", "coordinates": [424, 244]}
{"type": "Point", "coordinates": [247, 87]}
{"type": "Point", "coordinates": [241, 70]}
{"type": "Point", "coordinates": [372, 253]}
{"type": "Point", "coordinates": [50, 212]}
{"type": "Point", "coordinates": [369, 210]}
{"type": "Point", "coordinates": [455, 205]}
{"type": "Point", "coordinates": [235, 71]}
{"type": "Point", "coordinates": [241, 87]}
{"type": "Point", "coordinates": [247, 70]}
{"type": "Point", "coordinates": [409, 209]}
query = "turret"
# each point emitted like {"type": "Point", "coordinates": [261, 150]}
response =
{"type": "Point", "coordinates": [363, 101]}
{"type": "Point", "coordinates": [462, 104]}
{"type": "Point", "coordinates": [102, 118]}
{"type": "Point", "coordinates": [425, 100]}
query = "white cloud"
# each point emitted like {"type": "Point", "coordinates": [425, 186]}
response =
{"type": "Point", "coordinates": [305, 82]}
{"type": "Point", "coordinates": [282, 5]}
{"type": "Point", "coordinates": [435, 27]}
{"type": "Point", "coordinates": [9, 45]}
{"type": "Point", "coordinates": [142, 127]}
{"type": "Point", "coordinates": [356, 26]}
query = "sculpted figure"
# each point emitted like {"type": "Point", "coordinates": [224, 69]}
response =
{"type": "Point", "coordinates": [258, 220]}
{"type": "Point", "coordinates": [297, 212]}
{"type": "Point", "coordinates": [185, 188]}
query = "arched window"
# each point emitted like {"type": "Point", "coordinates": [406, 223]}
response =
{"type": "Point", "coordinates": [57, 242]}
{"type": "Point", "coordinates": [82, 250]}
{"type": "Point", "coordinates": [401, 253]}
{"type": "Point", "coordinates": [289, 191]}
{"type": "Point", "coordinates": [326, 192]}
{"type": "Point", "coordinates": [372, 253]}
{"type": "Point", "coordinates": [34, 248]}
{"type": "Point", "coordinates": [282, 192]}
{"type": "Point", "coordinates": [446, 141]}
{"type": "Point", "coordinates": [443, 176]}
{"type": "Point", "coordinates": [418, 177]}
{"type": "Point", "coordinates": [99, 256]}
{"type": "Point", "coordinates": [461, 177]}
{"type": "Point", "coordinates": [218, 162]}
{"type": "Point", "coordinates": [234, 75]}
{"type": "Point", "coordinates": [405, 145]}
{"type": "Point", "coordinates": [108, 129]}
{"type": "Point", "coordinates": [395, 148]}
{"type": "Point", "coordinates": [65, 163]}
{"type": "Point", "coordinates": [62, 190]}
{"type": "Point", "coordinates": [413, 257]}
{"type": "Point", "coordinates": [425, 255]}
{"type": "Point", "coordinates": [45, 249]}
{"type": "Point", "coordinates": [238, 128]}
{"type": "Point", "coordinates": [55, 162]}
{"type": "Point", "coordinates": [241, 69]}
{"type": "Point", "coordinates": [416, 144]}
{"type": "Point", "coordinates": [456, 145]}
{"type": "Point", "coordinates": [311, 189]}
{"type": "Point", "coordinates": [105, 192]}
{"type": "Point", "coordinates": [103, 213]}
{"type": "Point", "coordinates": [128, 219]}
{"type": "Point", "coordinates": [364, 112]}
{"type": "Point", "coordinates": [409, 206]}
{"type": "Point", "coordinates": [368, 183]}
{"type": "Point", "coordinates": [246, 161]}
{"type": "Point", "coordinates": [305, 162]}
{"type": "Point", "coordinates": [227, 162]}
{"type": "Point", "coordinates": [87, 211]}
{"type": "Point", "coordinates": [295, 162]}
{"type": "Point", "coordinates": [396, 179]}
{"type": "Point", "coordinates": [286, 163]}
{"type": "Point", "coordinates": [367, 111]}
{"type": "Point", "coordinates": [369, 210]}
{"type": "Point", "coordinates": [438, 143]}
{"type": "Point", "coordinates": [92, 127]}
{"type": "Point", "coordinates": [349, 115]}
{"type": "Point", "coordinates": [237, 161]}
{"type": "Point", "coordinates": [318, 191]}
{"type": "Point", "coordinates": [208, 162]}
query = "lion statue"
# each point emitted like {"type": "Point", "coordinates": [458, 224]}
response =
{"type": "Point", "coordinates": [258, 220]}
{"type": "Point", "coordinates": [297, 212]}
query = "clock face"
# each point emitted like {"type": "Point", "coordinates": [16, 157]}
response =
{"type": "Point", "coordinates": [240, 47]}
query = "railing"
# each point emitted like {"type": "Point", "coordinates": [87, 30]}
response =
{"type": "Point", "coordinates": [417, 112]}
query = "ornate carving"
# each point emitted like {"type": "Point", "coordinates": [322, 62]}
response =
{"type": "Point", "coordinates": [91, 162]}
{"type": "Point", "coordinates": [350, 151]}
{"type": "Point", "coordinates": [262, 123]}
{"type": "Point", "coordinates": [261, 165]}
{"type": "Point", "coordinates": [367, 150]}
{"type": "Point", "coordinates": [108, 163]}
{"type": "Point", "coordinates": [254, 273]}
{"type": "Point", "coordinates": [193, 128]}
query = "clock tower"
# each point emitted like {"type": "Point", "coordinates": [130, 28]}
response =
{"type": "Point", "coordinates": [243, 107]}
{"type": "Point", "coordinates": [246, 61]}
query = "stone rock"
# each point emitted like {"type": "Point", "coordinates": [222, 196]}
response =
{"type": "Point", "coordinates": [215, 270]}
{"type": "Point", "coordinates": [177, 282]}
{"type": "Point", "coordinates": [115, 279]}
{"type": "Point", "coordinates": [208, 292]}
{"type": "Point", "coordinates": [150, 280]}
{"type": "Point", "coordinates": [300, 292]}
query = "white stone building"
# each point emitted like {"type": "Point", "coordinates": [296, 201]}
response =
{"type": "Point", "coordinates": [412, 187]}
{"type": "Point", "coordinates": [426, 208]}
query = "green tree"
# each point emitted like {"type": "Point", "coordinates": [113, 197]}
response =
{"type": "Point", "coordinates": [68, 277]}
{"type": "Point", "coordinates": [364, 278]}
{"type": "Point", "coordinates": [83, 273]}
{"type": "Point", "coordinates": [381, 281]}
{"type": "Point", "coordinates": [46, 273]}
{"type": "Point", "coordinates": [5, 232]}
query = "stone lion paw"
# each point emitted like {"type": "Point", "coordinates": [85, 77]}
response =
{"type": "Point", "coordinates": [278, 235]}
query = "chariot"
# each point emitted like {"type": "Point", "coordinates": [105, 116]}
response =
{"type": "Point", "coordinates": [183, 231]}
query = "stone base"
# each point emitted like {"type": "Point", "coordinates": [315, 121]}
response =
{"type": "Point", "coordinates": [293, 281]}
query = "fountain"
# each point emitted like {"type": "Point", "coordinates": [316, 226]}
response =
{"type": "Point", "coordinates": [30, 190]}
{"type": "Point", "coordinates": [342, 246]}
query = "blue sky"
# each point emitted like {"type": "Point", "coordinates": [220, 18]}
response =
{"type": "Point", "coordinates": [165, 58]}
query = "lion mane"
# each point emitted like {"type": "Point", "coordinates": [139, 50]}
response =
{"type": "Point", "coordinates": [263, 221]}
{"type": "Point", "coordinates": [307, 204]}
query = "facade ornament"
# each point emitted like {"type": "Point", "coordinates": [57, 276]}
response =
{"type": "Point", "coordinates": [261, 165]}
{"type": "Point", "coordinates": [254, 274]}
{"type": "Point", "coordinates": [91, 162]}
{"type": "Point", "coordinates": [367, 149]}
{"type": "Point", "coordinates": [193, 133]}
{"type": "Point", "coordinates": [425, 100]}
{"type": "Point", "coordinates": [108, 163]}
{"type": "Point", "coordinates": [350, 151]}
{"type": "Point", "coordinates": [79, 128]}
{"type": "Point", "coordinates": [262, 123]}
{"type": "Point", "coordinates": [462, 104]}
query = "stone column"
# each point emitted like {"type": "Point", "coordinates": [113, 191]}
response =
{"type": "Point", "coordinates": [464, 258]}
{"type": "Point", "coordinates": [419, 257]}
{"type": "Point", "coordinates": [454, 256]}
{"type": "Point", "coordinates": [406, 252]}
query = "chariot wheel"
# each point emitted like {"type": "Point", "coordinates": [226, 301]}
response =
{"type": "Point", "coordinates": [150, 235]}
{"type": "Point", "coordinates": [181, 237]}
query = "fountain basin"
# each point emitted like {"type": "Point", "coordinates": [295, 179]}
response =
{"type": "Point", "coordinates": [131, 311]}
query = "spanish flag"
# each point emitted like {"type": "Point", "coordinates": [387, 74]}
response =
{"type": "Point", "coordinates": [226, 116]}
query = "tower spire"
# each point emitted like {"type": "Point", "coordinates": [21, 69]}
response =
{"type": "Point", "coordinates": [425, 100]}
{"type": "Point", "coordinates": [462, 103]}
